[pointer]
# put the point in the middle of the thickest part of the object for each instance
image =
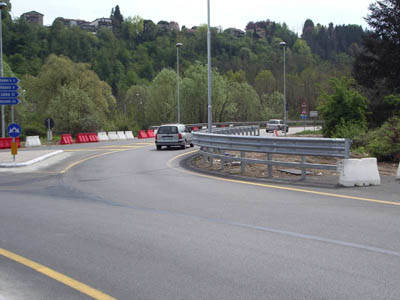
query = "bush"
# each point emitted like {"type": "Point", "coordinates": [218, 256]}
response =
{"type": "Point", "coordinates": [384, 142]}
{"type": "Point", "coordinates": [356, 131]}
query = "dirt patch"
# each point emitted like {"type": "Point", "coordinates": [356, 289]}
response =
{"type": "Point", "coordinates": [256, 170]}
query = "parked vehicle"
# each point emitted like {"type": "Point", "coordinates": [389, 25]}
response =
{"type": "Point", "coordinates": [276, 124]}
{"type": "Point", "coordinates": [173, 135]}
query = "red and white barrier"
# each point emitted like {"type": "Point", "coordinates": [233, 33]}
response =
{"type": "Point", "coordinates": [121, 135]}
{"type": "Point", "coordinates": [360, 172]}
{"type": "Point", "coordinates": [102, 136]}
{"type": "Point", "coordinates": [32, 141]}
{"type": "Point", "coordinates": [112, 135]}
{"type": "Point", "coordinates": [129, 135]}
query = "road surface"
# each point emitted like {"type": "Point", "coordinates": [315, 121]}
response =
{"type": "Point", "coordinates": [127, 222]}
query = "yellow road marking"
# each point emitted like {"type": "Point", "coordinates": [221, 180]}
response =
{"type": "Point", "coordinates": [101, 149]}
{"type": "Point", "coordinates": [79, 286]}
{"type": "Point", "coordinates": [281, 187]}
{"type": "Point", "coordinates": [86, 159]}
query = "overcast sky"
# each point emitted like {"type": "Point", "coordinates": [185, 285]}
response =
{"type": "Point", "coordinates": [224, 13]}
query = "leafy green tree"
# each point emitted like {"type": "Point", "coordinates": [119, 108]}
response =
{"type": "Point", "coordinates": [377, 65]}
{"type": "Point", "coordinates": [272, 106]}
{"type": "Point", "coordinates": [344, 107]}
{"type": "Point", "coordinates": [162, 104]}
{"type": "Point", "coordinates": [61, 82]}
{"type": "Point", "coordinates": [265, 82]}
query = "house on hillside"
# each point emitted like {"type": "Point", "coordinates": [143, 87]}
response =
{"type": "Point", "coordinates": [102, 23]}
{"type": "Point", "coordinates": [33, 17]}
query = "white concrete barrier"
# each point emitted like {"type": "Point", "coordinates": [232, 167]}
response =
{"type": "Point", "coordinates": [32, 141]}
{"type": "Point", "coordinates": [398, 172]}
{"type": "Point", "coordinates": [121, 135]}
{"type": "Point", "coordinates": [102, 136]}
{"type": "Point", "coordinates": [359, 172]}
{"type": "Point", "coordinates": [129, 135]}
{"type": "Point", "coordinates": [112, 135]}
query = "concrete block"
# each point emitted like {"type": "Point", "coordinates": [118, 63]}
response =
{"type": "Point", "coordinates": [102, 136]}
{"type": "Point", "coordinates": [359, 172]}
{"type": "Point", "coordinates": [112, 136]}
{"type": "Point", "coordinates": [32, 141]}
{"type": "Point", "coordinates": [121, 135]}
{"type": "Point", "coordinates": [129, 135]}
{"type": "Point", "coordinates": [398, 172]}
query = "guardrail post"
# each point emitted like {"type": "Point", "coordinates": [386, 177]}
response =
{"type": "Point", "coordinates": [303, 169]}
{"type": "Point", "coordinates": [347, 148]}
{"type": "Point", "coordinates": [243, 162]}
{"type": "Point", "coordinates": [204, 155]}
{"type": "Point", "coordinates": [269, 158]}
{"type": "Point", "coordinates": [211, 157]}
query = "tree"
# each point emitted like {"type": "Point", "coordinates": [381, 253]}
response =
{"type": "Point", "coordinates": [71, 93]}
{"type": "Point", "coordinates": [346, 107]}
{"type": "Point", "coordinates": [377, 65]}
{"type": "Point", "coordinates": [117, 20]}
{"type": "Point", "coordinates": [265, 82]}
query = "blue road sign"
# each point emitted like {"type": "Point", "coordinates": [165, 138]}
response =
{"type": "Point", "coordinates": [10, 101]}
{"type": "Point", "coordinates": [8, 87]}
{"type": "Point", "coordinates": [4, 94]}
{"type": "Point", "coordinates": [303, 117]}
{"type": "Point", "coordinates": [14, 130]}
{"type": "Point", "coordinates": [9, 80]}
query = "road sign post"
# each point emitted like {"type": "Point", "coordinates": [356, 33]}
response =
{"type": "Point", "coordinates": [8, 96]}
{"type": "Point", "coordinates": [49, 123]}
{"type": "Point", "coordinates": [14, 130]}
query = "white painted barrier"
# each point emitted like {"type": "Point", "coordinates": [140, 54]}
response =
{"type": "Point", "coordinates": [112, 135]}
{"type": "Point", "coordinates": [129, 135]}
{"type": "Point", "coordinates": [121, 135]}
{"type": "Point", "coordinates": [32, 141]}
{"type": "Point", "coordinates": [359, 172]}
{"type": "Point", "coordinates": [102, 136]}
{"type": "Point", "coordinates": [398, 172]}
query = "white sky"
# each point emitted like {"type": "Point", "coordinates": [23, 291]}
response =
{"type": "Point", "coordinates": [224, 13]}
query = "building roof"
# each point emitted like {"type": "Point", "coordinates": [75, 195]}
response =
{"type": "Point", "coordinates": [32, 13]}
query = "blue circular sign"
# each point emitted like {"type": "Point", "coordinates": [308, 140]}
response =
{"type": "Point", "coordinates": [14, 130]}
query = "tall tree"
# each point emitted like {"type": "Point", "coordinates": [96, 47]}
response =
{"type": "Point", "coordinates": [117, 20]}
{"type": "Point", "coordinates": [378, 64]}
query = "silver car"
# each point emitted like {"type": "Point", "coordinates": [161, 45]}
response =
{"type": "Point", "coordinates": [173, 135]}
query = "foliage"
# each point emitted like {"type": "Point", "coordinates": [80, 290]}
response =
{"type": "Point", "coordinates": [344, 109]}
{"type": "Point", "coordinates": [384, 142]}
{"type": "Point", "coordinates": [70, 93]}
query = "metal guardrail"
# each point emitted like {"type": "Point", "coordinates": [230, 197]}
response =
{"type": "Point", "coordinates": [213, 145]}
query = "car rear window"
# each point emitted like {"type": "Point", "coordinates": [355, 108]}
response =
{"type": "Point", "coordinates": [167, 130]}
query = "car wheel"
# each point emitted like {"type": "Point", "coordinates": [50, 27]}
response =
{"type": "Point", "coordinates": [158, 147]}
{"type": "Point", "coordinates": [191, 145]}
{"type": "Point", "coordinates": [183, 146]}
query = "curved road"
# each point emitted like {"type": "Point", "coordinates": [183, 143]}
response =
{"type": "Point", "coordinates": [135, 225]}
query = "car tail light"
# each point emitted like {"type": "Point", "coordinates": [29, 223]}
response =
{"type": "Point", "coordinates": [179, 136]}
{"type": "Point", "coordinates": [156, 136]}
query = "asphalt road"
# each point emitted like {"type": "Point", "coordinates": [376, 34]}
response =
{"type": "Point", "coordinates": [134, 225]}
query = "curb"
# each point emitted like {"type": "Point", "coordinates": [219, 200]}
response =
{"type": "Point", "coordinates": [30, 162]}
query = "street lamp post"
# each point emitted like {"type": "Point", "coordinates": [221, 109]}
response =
{"type": "Point", "coordinates": [283, 44]}
{"type": "Point", "coordinates": [209, 70]}
{"type": "Point", "coordinates": [178, 45]}
{"type": "Point", "coordinates": [3, 126]}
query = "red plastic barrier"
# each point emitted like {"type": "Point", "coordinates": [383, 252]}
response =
{"type": "Point", "coordinates": [5, 143]}
{"type": "Point", "coordinates": [150, 133]}
{"type": "Point", "coordinates": [195, 128]}
{"type": "Point", "coordinates": [82, 138]}
{"type": "Point", "coordinates": [93, 138]}
{"type": "Point", "coordinates": [66, 139]}
{"type": "Point", "coordinates": [142, 134]}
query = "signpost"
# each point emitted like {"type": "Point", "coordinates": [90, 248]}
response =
{"type": "Point", "coordinates": [9, 95]}
{"type": "Point", "coordinates": [314, 115]}
{"type": "Point", "coordinates": [14, 130]}
{"type": "Point", "coordinates": [49, 123]}
{"type": "Point", "coordinates": [304, 113]}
